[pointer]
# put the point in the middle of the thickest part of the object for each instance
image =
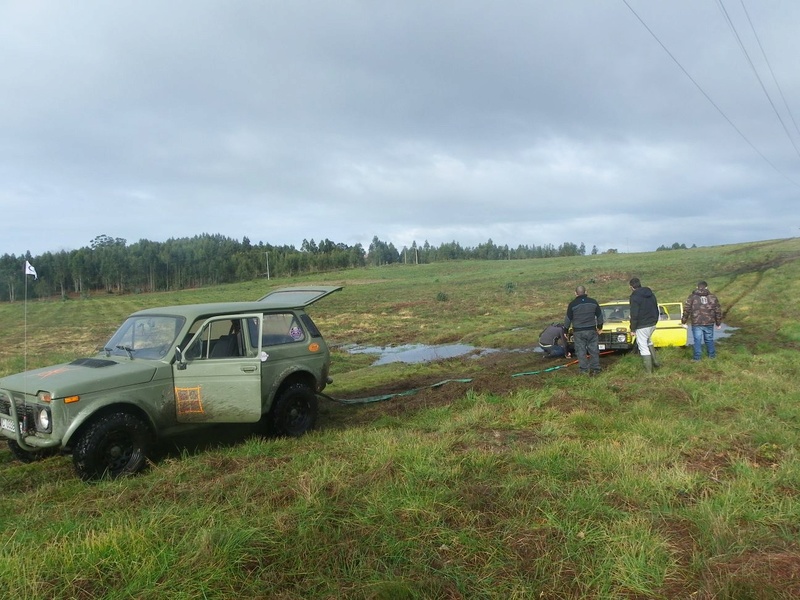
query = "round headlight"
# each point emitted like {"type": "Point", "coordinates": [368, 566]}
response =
{"type": "Point", "coordinates": [43, 420]}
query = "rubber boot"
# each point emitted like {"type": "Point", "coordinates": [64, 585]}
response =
{"type": "Point", "coordinates": [647, 361]}
{"type": "Point", "coordinates": [656, 362]}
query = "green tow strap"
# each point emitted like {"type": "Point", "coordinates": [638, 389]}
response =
{"type": "Point", "coordinates": [411, 392]}
{"type": "Point", "coordinates": [572, 362]}
{"type": "Point", "coordinates": [542, 371]}
{"type": "Point", "coordinates": [390, 396]}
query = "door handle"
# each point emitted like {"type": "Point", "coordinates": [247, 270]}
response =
{"type": "Point", "coordinates": [249, 369]}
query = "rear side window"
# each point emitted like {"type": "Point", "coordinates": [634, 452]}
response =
{"type": "Point", "coordinates": [312, 328]}
{"type": "Point", "coordinates": [281, 328]}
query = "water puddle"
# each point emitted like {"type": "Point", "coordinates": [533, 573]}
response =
{"type": "Point", "coordinates": [418, 353]}
{"type": "Point", "coordinates": [422, 353]}
{"type": "Point", "coordinates": [724, 331]}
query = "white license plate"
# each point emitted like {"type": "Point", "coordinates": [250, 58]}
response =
{"type": "Point", "coordinates": [8, 425]}
{"type": "Point", "coordinates": [601, 346]}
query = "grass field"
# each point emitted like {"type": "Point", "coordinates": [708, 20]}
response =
{"type": "Point", "coordinates": [683, 484]}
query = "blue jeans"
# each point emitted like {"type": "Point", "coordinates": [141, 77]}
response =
{"type": "Point", "coordinates": [703, 334]}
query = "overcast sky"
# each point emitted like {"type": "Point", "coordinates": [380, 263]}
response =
{"type": "Point", "coordinates": [613, 124]}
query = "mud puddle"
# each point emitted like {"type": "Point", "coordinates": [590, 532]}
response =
{"type": "Point", "coordinates": [419, 353]}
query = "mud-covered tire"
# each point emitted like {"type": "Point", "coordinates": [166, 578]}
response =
{"type": "Point", "coordinates": [294, 412]}
{"type": "Point", "coordinates": [29, 457]}
{"type": "Point", "coordinates": [114, 446]}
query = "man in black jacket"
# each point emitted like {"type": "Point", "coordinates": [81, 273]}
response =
{"type": "Point", "coordinates": [586, 318]}
{"type": "Point", "coordinates": [644, 317]}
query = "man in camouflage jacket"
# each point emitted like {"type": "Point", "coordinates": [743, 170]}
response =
{"type": "Point", "coordinates": [702, 308]}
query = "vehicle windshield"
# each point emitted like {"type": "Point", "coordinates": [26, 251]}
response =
{"type": "Point", "coordinates": [616, 313]}
{"type": "Point", "coordinates": [149, 337]}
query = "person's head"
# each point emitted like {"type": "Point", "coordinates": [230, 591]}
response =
{"type": "Point", "coordinates": [702, 285]}
{"type": "Point", "coordinates": [580, 290]}
{"type": "Point", "coordinates": [635, 283]}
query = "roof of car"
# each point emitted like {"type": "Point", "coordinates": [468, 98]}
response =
{"type": "Point", "coordinates": [280, 299]}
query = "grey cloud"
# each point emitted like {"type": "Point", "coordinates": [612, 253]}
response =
{"type": "Point", "coordinates": [524, 122]}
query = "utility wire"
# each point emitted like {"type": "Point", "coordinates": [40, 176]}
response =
{"type": "Point", "coordinates": [707, 97]}
{"type": "Point", "coordinates": [769, 66]}
{"type": "Point", "coordinates": [755, 71]}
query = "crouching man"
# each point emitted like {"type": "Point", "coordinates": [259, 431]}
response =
{"type": "Point", "coordinates": [553, 340]}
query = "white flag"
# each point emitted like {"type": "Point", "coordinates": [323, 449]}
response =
{"type": "Point", "coordinates": [29, 270]}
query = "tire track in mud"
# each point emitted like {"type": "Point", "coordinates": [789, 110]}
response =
{"type": "Point", "coordinates": [730, 304]}
{"type": "Point", "coordinates": [757, 270]}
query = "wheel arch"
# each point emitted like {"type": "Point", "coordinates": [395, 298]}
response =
{"type": "Point", "coordinates": [120, 407]}
{"type": "Point", "coordinates": [303, 377]}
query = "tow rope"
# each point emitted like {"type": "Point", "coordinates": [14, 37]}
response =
{"type": "Point", "coordinates": [555, 368]}
{"type": "Point", "coordinates": [547, 370]}
{"type": "Point", "coordinates": [411, 392]}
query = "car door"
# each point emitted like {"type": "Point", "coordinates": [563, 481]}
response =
{"type": "Point", "coordinates": [286, 346]}
{"type": "Point", "coordinates": [214, 386]}
{"type": "Point", "coordinates": [669, 329]}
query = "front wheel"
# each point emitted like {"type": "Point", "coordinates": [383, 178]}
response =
{"type": "Point", "coordinates": [294, 412]}
{"type": "Point", "coordinates": [113, 446]}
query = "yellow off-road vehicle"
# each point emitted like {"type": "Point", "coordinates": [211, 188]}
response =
{"type": "Point", "coordinates": [617, 334]}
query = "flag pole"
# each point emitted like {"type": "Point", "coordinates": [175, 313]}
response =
{"type": "Point", "coordinates": [28, 270]}
{"type": "Point", "coordinates": [25, 328]}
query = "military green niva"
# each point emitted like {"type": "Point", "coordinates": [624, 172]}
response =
{"type": "Point", "coordinates": [169, 370]}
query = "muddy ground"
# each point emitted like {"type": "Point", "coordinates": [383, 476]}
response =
{"type": "Point", "coordinates": [490, 374]}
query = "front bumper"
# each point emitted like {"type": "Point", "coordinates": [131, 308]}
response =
{"type": "Point", "coordinates": [18, 422]}
{"type": "Point", "coordinates": [616, 341]}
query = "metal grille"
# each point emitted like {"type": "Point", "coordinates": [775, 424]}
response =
{"type": "Point", "coordinates": [22, 411]}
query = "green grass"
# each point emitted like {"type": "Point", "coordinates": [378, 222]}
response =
{"type": "Point", "coordinates": [684, 484]}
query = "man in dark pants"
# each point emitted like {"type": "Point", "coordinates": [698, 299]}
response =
{"type": "Point", "coordinates": [586, 318]}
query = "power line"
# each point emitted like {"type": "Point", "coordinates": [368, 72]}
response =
{"type": "Point", "coordinates": [755, 71]}
{"type": "Point", "coordinates": [769, 66]}
{"type": "Point", "coordinates": [707, 97]}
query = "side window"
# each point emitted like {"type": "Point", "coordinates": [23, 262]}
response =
{"type": "Point", "coordinates": [281, 328]}
{"type": "Point", "coordinates": [218, 339]}
{"type": "Point", "coordinates": [670, 312]}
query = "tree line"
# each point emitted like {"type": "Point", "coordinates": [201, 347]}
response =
{"type": "Point", "coordinates": [112, 265]}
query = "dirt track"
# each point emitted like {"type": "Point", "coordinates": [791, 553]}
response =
{"type": "Point", "coordinates": [494, 376]}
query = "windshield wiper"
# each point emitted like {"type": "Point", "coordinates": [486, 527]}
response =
{"type": "Point", "coordinates": [127, 349]}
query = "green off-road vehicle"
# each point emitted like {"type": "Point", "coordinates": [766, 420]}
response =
{"type": "Point", "coordinates": [169, 369]}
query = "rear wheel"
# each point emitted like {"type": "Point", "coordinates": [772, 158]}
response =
{"type": "Point", "coordinates": [114, 446]}
{"type": "Point", "coordinates": [294, 412]}
{"type": "Point", "coordinates": [29, 457]}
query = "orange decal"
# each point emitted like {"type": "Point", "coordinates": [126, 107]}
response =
{"type": "Point", "coordinates": [54, 372]}
{"type": "Point", "coordinates": [188, 400]}
{"type": "Point", "coordinates": [313, 347]}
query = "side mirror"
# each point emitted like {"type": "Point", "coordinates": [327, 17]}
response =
{"type": "Point", "coordinates": [181, 363]}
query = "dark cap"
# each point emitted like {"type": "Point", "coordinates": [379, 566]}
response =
{"type": "Point", "coordinates": [702, 285]}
